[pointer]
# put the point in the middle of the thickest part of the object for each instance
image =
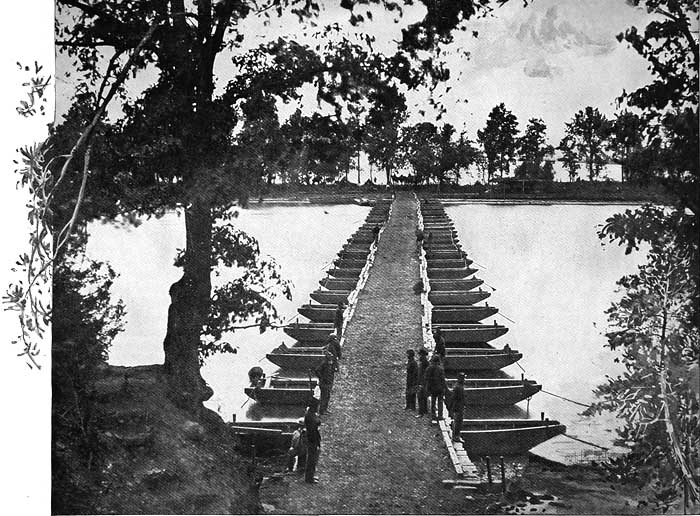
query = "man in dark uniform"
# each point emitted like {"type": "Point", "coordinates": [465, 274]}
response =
{"type": "Point", "coordinates": [333, 346]}
{"type": "Point", "coordinates": [326, 375]}
{"type": "Point", "coordinates": [458, 408]}
{"type": "Point", "coordinates": [411, 380]}
{"type": "Point", "coordinates": [338, 321]}
{"type": "Point", "coordinates": [313, 441]}
{"type": "Point", "coordinates": [439, 344]}
{"type": "Point", "coordinates": [422, 389]}
{"type": "Point", "coordinates": [435, 382]}
{"type": "Point", "coordinates": [297, 449]}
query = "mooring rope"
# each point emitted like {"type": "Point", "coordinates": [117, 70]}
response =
{"type": "Point", "coordinates": [506, 317]}
{"type": "Point", "coordinates": [586, 442]}
{"type": "Point", "coordinates": [565, 399]}
{"type": "Point", "coordinates": [556, 395]}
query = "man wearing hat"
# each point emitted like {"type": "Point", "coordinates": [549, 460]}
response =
{"type": "Point", "coordinates": [439, 344]}
{"type": "Point", "coordinates": [458, 408]}
{"type": "Point", "coordinates": [313, 441]}
{"type": "Point", "coordinates": [333, 345]}
{"type": "Point", "coordinates": [411, 380]}
{"type": "Point", "coordinates": [422, 389]}
{"type": "Point", "coordinates": [435, 383]}
{"type": "Point", "coordinates": [298, 448]}
{"type": "Point", "coordinates": [339, 316]}
{"type": "Point", "coordinates": [326, 375]}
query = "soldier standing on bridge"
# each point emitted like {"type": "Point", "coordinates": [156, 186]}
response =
{"type": "Point", "coordinates": [313, 441]}
{"type": "Point", "coordinates": [435, 382]}
{"type": "Point", "coordinates": [411, 380]}
{"type": "Point", "coordinates": [439, 345]}
{"type": "Point", "coordinates": [333, 346]}
{"type": "Point", "coordinates": [457, 407]}
{"type": "Point", "coordinates": [422, 389]}
{"type": "Point", "coordinates": [326, 375]}
{"type": "Point", "coordinates": [297, 449]}
{"type": "Point", "coordinates": [339, 316]}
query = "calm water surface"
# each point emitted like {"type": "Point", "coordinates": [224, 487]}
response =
{"type": "Point", "coordinates": [553, 277]}
{"type": "Point", "coordinates": [550, 272]}
{"type": "Point", "coordinates": [302, 239]}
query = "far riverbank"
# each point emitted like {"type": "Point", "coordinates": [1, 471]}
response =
{"type": "Point", "coordinates": [579, 192]}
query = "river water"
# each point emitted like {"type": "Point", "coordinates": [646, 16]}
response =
{"type": "Point", "coordinates": [551, 274]}
{"type": "Point", "coordinates": [555, 279]}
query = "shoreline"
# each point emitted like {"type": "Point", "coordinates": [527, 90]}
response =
{"type": "Point", "coordinates": [335, 199]}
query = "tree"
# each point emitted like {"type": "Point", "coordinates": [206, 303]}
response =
{"type": "Point", "coordinates": [434, 154]}
{"type": "Point", "coordinates": [177, 133]}
{"type": "Point", "coordinates": [569, 158]}
{"type": "Point", "coordinates": [499, 140]}
{"type": "Point", "coordinates": [586, 138]}
{"type": "Point", "coordinates": [656, 322]}
{"type": "Point", "coordinates": [532, 150]}
{"type": "Point", "coordinates": [669, 103]}
{"type": "Point", "coordinates": [85, 321]}
{"type": "Point", "coordinates": [382, 139]}
{"type": "Point", "coordinates": [626, 140]}
{"type": "Point", "coordinates": [654, 326]}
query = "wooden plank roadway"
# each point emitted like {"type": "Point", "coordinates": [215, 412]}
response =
{"type": "Point", "coordinates": [375, 456]}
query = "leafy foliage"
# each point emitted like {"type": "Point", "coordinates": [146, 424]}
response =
{"type": "Point", "coordinates": [85, 320]}
{"type": "Point", "coordinates": [383, 129]}
{"type": "Point", "coordinates": [499, 140]}
{"type": "Point", "coordinates": [670, 45]}
{"type": "Point", "coordinates": [654, 326]}
{"type": "Point", "coordinates": [250, 295]}
{"type": "Point", "coordinates": [532, 150]}
{"type": "Point", "coordinates": [28, 296]}
{"type": "Point", "coordinates": [434, 154]}
{"type": "Point", "coordinates": [586, 140]}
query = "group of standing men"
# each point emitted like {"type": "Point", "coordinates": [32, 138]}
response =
{"type": "Point", "coordinates": [306, 440]}
{"type": "Point", "coordinates": [427, 379]}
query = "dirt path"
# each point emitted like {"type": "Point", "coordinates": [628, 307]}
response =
{"type": "Point", "coordinates": [376, 457]}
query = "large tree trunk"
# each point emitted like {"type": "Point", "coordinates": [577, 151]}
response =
{"type": "Point", "coordinates": [190, 299]}
{"type": "Point", "coordinates": [388, 175]}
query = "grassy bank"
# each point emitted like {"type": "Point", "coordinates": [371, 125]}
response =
{"type": "Point", "coordinates": [151, 457]}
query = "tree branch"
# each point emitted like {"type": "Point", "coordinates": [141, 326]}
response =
{"type": "Point", "coordinates": [110, 66]}
{"type": "Point", "coordinates": [87, 134]}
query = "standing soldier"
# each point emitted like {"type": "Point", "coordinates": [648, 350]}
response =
{"type": "Point", "coordinates": [458, 408]}
{"type": "Point", "coordinates": [435, 382]}
{"type": "Point", "coordinates": [339, 314]}
{"type": "Point", "coordinates": [333, 346]}
{"type": "Point", "coordinates": [439, 344]}
{"type": "Point", "coordinates": [298, 448]}
{"type": "Point", "coordinates": [313, 441]}
{"type": "Point", "coordinates": [411, 380]}
{"type": "Point", "coordinates": [326, 375]}
{"type": "Point", "coordinates": [422, 389]}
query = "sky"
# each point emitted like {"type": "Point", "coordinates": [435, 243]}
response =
{"type": "Point", "coordinates": [547, 60]}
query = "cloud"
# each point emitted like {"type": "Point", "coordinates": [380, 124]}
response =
{"type": "Point", "coordinates": [539, 68]}
{"type": "Point", "coordinates": [555, 32]}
